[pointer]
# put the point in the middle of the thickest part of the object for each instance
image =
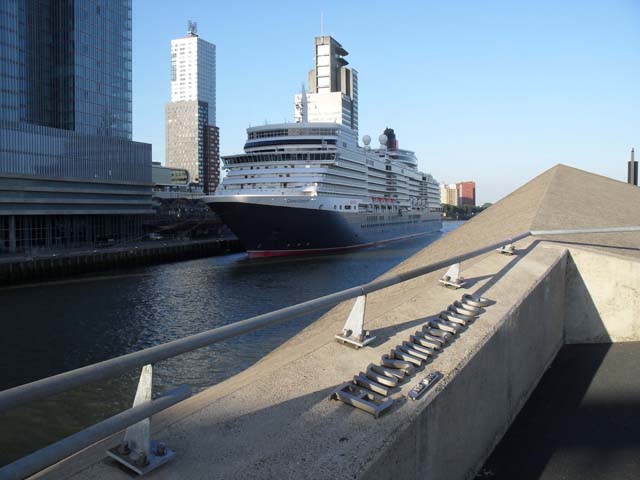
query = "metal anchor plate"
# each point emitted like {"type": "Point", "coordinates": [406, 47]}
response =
{"type": "Point", "coordinates": [424, 385]}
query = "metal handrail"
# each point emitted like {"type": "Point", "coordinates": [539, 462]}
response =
{"type": "Point", "coordinates": [66, 447]}
{"type": "Point", "coordinates": [109, 368]}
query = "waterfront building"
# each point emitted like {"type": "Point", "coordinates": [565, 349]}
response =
{"type": "Point", "coordinates": [69, 173]}
{"type": "Point", "coordinates": [449, 194]}
{"type": "Point", "coordinates": [333, 87]}
{"type": "Point", "coordinates": [191, 135]}
{"type": "Point", "coordinates": [466, 193]}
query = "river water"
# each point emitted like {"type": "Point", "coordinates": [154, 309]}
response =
{"type": "Point", "coordinates": [53, 327]}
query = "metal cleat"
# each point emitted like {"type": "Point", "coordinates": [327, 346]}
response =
{"type": "Point", "coordinates": [476, 301]}
{"type": "Point", "coordinates": [362, 398]}
{"type": "Point", "coordinates": [398, 354]}
{"type": "Point", "coordinates": [411, 349]}
{"type": "Point", "coordinates": [465, 314]}
{"type": "Point", "coordinates": [389, 372]}
{"type": "Point", "coordinates": [420, 339]}
{"type": "Point", "coordinates": [452, 328]}
{"type": "Point", "coordinates": [477, 311]}
{"type": "Point", "coordinates": [362, 380]}
{"type": "Point", "coordinates": [436, 332]}
{"type": "Point", "coordinates": [429, 352]}
{"type": "Point", "coordinates": [406, 367]}
{"type": "Point", "coordinates": [386, 379]}
{"type": "Point", "coordinates": [452, 278]}
{"type": "Point", "coordinates": [453, 318]}
{"type": "Point", "coordinates": [353, 331]}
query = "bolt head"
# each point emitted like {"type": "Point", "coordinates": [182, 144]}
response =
{"type": "Point", "coordinates": [123, 449]}
{"type": "Point", "coordinates": [161, 450]}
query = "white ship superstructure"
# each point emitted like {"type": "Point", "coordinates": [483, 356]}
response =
{"type": "Point", "coordinates": [309, 186]}
{"type": "Point", "coordinates": [324, 160]}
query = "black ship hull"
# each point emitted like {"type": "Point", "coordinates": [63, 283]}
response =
{"type": "Point", "coordinates": [273, 230]}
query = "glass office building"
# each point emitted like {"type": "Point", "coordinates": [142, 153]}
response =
{"type": "Point", "coordinates": [67, 162]}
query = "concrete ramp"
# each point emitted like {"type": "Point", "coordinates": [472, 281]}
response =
{"type": "Point", "coordinates": [275, 419]}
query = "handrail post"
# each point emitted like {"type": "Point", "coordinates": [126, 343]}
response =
{"type": "Point", "coordinates": [137, 451]}
{"type": "Point", "coordinates": [353, 331]}
{"type": "Point", "coordinates": [452, 278]}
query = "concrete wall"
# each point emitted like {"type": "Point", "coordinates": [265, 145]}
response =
{"type": "Point", "coordinates": [455, 433]}
{"type": "Point", "coordinates": [603, 298]}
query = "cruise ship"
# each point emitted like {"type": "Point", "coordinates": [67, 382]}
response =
{"type": "Point", "coordinates": [308, 186]}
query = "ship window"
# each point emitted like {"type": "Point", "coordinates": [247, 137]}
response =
{"type": "Point", "coordinates": [347, 207]}
{"type": "Point", "coordinates": [340, 207]}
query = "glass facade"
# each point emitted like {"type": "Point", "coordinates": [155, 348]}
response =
{"type": "Point", "coordinates": [69, 173]}
{"type": "Point", "coordinates": [67, 64]}
{"type": "Point", "coordinates": [33, 150]}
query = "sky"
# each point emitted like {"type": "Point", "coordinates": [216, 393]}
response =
{"type": "Point", "coordinates": [490, 91]}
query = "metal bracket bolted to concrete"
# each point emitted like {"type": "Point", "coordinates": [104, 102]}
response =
{"type": "Point", "coordinates": [452, 278]}
{"type": "Point", "coordinates": [353, 331]}
{"type": "Point", "coordinates": [137, 451]}
{"type": "Point", "coordinates": [509, 249]}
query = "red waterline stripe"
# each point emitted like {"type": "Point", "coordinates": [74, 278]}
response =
{"type": "Point", "coordinates": [310, 251]}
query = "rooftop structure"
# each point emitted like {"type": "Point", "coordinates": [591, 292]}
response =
{"type": "Point", "coordinates": [333, 87]}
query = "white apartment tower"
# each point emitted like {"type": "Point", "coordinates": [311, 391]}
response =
{"type": "Point", "coordinates": [333, 87]}
{"type": "Point", "coordinates": [193, 71]}
{"type": "Point", "coordinates": [191, 135]}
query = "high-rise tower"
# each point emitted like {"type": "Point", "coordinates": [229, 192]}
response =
{"type": "Point", "coordinates": [191, 135]}
{"type": "Point", "coordinates": [69, 173]}
{"type": "Point", "coordinates": [333, 87]}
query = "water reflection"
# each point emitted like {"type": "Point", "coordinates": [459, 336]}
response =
{"type": "Point", "coordinates": [58, 326]}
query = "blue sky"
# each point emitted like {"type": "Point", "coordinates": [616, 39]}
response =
{"type": "Point", "coordinates": [491, 91]}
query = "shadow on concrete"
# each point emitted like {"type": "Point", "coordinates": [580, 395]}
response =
{"type": "Point", "coordinates": [562, 433]}
{"type": "Point", "coordinates": [579, 422]}
{"type": "Point", "coordinates": [224, 443]}
{"type": "Point", "coordinates": [384, 334]}
{"type": "Point", "coordinates": [470, 282]}
{"type": "Point", "coordinates": [521, 253]}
